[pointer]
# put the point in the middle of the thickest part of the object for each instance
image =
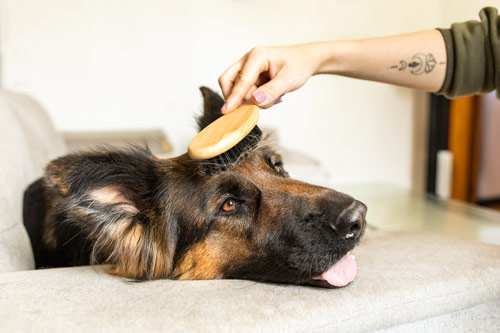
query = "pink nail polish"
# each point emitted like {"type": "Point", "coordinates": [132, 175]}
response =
{"type": "Point", "coordinates": [259, 97]}
{"type": "Point", "coordinates": [223, 108]}
{"type": "Point", "coordinates": [278, 101]}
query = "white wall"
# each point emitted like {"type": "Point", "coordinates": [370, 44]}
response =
{"type": "Point", "coordinates": [463, 10]}
{"type": "Point", "coordinates": [118, 64]}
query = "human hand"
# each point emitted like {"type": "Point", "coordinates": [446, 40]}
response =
{"type": "Point", "coordinates": [266, 73]}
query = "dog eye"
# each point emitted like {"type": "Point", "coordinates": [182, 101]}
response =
{"type": "Point", "coordinates": [229, 205]}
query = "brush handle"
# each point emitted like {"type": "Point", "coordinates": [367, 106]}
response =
{"type": "Point", "coordinates": [224, 133]}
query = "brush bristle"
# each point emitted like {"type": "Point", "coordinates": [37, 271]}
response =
{"type": "Point", "coordinates": [233, 156]}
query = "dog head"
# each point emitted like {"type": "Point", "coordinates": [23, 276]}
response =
{"type": "Point", "coordinates": [153, 218]}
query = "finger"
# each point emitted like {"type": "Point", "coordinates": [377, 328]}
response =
{"type": "Point", "coordinates": [248, 96]}
{"type": "Point", "coordinates": [263, 78]}
{"type": "Point", "coordinates": [269, 93]}
{"type": "Point", "coordinates": [249, 74]}
{"type": "Point", "coordinates": [279, 100]}
{"type": "Point", "coordinates": [227, 79]}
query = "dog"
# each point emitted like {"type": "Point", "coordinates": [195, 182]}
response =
{"type": "Point", "coordinates": [150, 218]}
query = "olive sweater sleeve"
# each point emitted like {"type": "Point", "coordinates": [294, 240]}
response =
{"type": "Point", "coordinates": [473, 56]}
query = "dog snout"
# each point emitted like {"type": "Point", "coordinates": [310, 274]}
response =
{"type": "Point", "coordinates": [351, 222]}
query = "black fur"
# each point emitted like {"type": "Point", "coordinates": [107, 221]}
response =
{"type": "Point", "coordinates": [212, 103]}
{"type": "Point", "coordinates": [150, 218]}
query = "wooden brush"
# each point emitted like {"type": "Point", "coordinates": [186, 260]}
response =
{"type": "Point", "coordinates": [227, 138]}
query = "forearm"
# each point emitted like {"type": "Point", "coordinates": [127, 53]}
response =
{"type": "Point", "coordinates": [416, 60]}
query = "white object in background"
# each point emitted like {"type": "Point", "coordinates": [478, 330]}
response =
{"type": "Point", "coordinates": [488, 183]}
{"type": "Point", "coordinates": [444, 173]}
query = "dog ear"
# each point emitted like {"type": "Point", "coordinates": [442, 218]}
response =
{"type": "Point", "coordinates": [110, 197]}
{"type": "Point", "coordinates": [212, 103]}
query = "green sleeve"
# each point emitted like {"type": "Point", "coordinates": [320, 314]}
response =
{"type": "Point", "coordinates": [473, 56]}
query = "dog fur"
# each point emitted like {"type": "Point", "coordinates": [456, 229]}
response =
{"type": "Point", "coordinates": [151, 218]}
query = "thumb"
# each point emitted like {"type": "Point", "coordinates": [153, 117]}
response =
{"type": "Point", "coordinates": [267, 94]}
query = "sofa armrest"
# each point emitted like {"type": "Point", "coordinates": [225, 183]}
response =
{"type": "Point", "coordinates": [28, 140]}
{"type": "Point", "coordinates": [155, 139]}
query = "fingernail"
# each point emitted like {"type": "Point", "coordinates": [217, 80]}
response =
{"type": "Point", "coordinates": [259, 97]}
{"type": "Point", "coordinates": [223, 108]}
{"type": "Point", "coordinates": [278, 101]}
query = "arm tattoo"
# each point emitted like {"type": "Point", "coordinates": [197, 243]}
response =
{"type": "Point", "coordinates": [420, 63]}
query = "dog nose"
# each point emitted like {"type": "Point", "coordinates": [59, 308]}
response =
{"type": "Point", "coordinates": [351, 222]}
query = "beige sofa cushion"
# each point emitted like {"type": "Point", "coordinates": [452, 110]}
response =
{"type": "Point", "coordinates": [27, 141]}
{"type": "Point", "coordinates": [403, 278]}
{"type": "Point", "coordinates": [16, 172]}
{"type": "Point", "coordinates": [44, 142]}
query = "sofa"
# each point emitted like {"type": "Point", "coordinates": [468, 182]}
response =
{"type": "Point", "coordinates": [407, 280]}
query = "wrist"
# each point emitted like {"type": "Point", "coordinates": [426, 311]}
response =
{"type": "Point", "coordinates": [334, 57]}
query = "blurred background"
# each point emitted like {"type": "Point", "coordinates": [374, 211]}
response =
{"type": "Point", "coordinates": [115, 65]}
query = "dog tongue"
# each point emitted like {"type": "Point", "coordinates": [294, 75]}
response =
{"type": "Point", "coordinates": [341, 273]}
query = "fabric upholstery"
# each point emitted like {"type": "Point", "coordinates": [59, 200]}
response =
{"type": "Point", "coordinates": [16, 171]}
{"type": "Point", "coordinates": [403, 278]}
{"type": "Point", "coordinates": [480, 318]}
{"type": "Point", "coordinates": [44, 142]}
{"type": "Point", "coordinates": [27, 141]}
{"type": "Point", "coordinates": [406, 281]}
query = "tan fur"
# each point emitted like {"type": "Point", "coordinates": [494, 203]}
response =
{"type": "Point", "coordinates": [199, 263]}
{"type": "Point", "coordinates": [136, 245]}
{"type": "Point", "coordinates": [56, 178]}
{"type": "Point", "coordinates": [135, 256]}
{"type": "Point", "coordinates": [206, 259]}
